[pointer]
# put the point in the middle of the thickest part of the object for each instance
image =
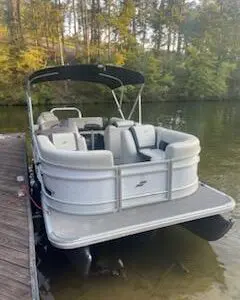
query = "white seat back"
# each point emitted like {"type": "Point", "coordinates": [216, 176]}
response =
{"type": "Point", "coordinates": [112, 137]}
{"type": "Point", "coordinates": [46, 120]}
{"type": "Point", "coordinates": [78, 159]}
{"type": "Point", "coordinates": [136, 139]}
{"type": "Point", "coordinates": [69, 141]}
{"type": "Point", "coordinates": [129, 152]}
{"type": "Point", "coordinates": [144, 136]}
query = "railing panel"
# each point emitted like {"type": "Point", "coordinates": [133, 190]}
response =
{"type": "Point", "coordinates": [143, 185]}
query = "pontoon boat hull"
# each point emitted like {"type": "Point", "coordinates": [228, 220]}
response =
{"type": "Point", "coordinates": [211, 228]}
{"type": "Point", "coordinates": [68, 231]}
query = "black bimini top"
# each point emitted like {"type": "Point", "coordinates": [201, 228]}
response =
{"type": "Point", "coordinates": [111, 76]}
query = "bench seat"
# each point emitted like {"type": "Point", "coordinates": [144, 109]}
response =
{"type": "Point", "coordinates": [153, 154]}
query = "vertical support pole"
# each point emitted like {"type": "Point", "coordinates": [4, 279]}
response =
{"type": "Point", "coordinates": [119, 188]}
{"type": "Point", "coordinates": [118, 105]}
{"type": "Point", "coordinates": [169, 179]}
{"type": "Point", "coordinates": [140, 109]}
{"type": "Point", "coordinates": [92, 139]}
{"type": "Point", "coordinates": [30, 112]}
{"type": "Point", "coordinates": [116, 189]}
{"type": "Point", "coordinates": [135, 104]}
{"type": "Point", "coordinates": [122, 93]}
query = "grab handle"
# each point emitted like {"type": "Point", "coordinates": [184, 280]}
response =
{"type": "Point", "coordinates": [66, 108]}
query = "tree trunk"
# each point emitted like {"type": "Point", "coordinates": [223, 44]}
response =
{"type": "Point", "coordinates": [60, 33]}
{"type": "Point", "coordinates": [14, 23]}
{"type": "Point", "coordinates": [98, 31]}
{"type": "Point", "coordinates": [169, 40]}
{"type": "Point", "coordinates": [109, 31]}
{"type": "Point", "coordinates": [85, 27]}
{"type": "Point", "coordinates": [75, 26]}
{"type": "Point", "coordinates": [179, 43]}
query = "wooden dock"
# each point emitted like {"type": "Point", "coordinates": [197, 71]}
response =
{"type": "Point", "coordinates": [18, 276]}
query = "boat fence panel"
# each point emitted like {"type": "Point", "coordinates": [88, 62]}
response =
{"type": "Point", "coordinates": [184, 179]}
{"type": "Point", "coordinates": [143, 185]}
{"type": "Point", "coordinates": [103, 190]}
{"type": "Point", "coordinates": [81, 192]}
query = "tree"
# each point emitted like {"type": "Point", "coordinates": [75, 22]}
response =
{"type": "Point", "coordinates": [187, 48]}
{"type": "Point", "coordinates": [204, 76]}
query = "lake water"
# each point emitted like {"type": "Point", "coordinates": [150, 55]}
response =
{"type": "Point", "coordinates": [170, 263]}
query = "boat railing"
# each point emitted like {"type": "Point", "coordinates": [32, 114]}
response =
{"type": "Point", "coordinates": [101, 190]}
{"type": "Point", "coordinates": [67, 109]}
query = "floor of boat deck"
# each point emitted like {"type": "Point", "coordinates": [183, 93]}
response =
{"type": "Point", "coordinates": [68, 231]}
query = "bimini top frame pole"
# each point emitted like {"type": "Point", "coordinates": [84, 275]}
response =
{"type": "Point", "coordinates": [119, 102]}
{"type": "Point", "coordinates": [29, 105]}
{"type": "Point", "coordinates": [139, 102]}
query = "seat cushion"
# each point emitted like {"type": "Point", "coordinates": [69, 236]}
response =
{"type": "Point", "coordinates": [153, 154]}
{"type": "Point", "coordinates": [64, 141]}
{"type": "Point", "coordinates": [121, 122]}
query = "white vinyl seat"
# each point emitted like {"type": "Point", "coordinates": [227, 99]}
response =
{"type": "Point", "coordinates": [146, 142]}
{"type": "Point", "coordinates": [177, 144]}
{"type": "Point", "coordinates": [112, 137]}
{"type": "Point", "coordinates": [69, 141]}
{"type": "Point", "coordinates": [153, 154]}
{"type": "Point", "coordinates": [138, 144]}
{"type": "Point", "coordinates": [145, 139]}
{"type": "Point", "coordinates": [78, 159]}
{"type": "Point", "coordinates": [47, 120]}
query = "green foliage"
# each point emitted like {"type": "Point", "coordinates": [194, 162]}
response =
{"type": "Point", "coordinates": [158, 81]}
{"type": "Point", "coordinates": [187, 49]}
{"type": "Point", "coordinates": [203, 76]}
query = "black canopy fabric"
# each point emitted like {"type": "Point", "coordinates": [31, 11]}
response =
{"type": "Point", "coordinates": [111, 76]}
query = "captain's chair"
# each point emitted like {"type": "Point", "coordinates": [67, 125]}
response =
{"type": "Point", "coordinates": [139, 144]}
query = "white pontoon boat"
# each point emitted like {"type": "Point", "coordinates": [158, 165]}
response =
{"type": "Point", "coordinates": [102, 181]}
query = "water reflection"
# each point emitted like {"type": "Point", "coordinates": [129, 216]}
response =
{"type": "Point", "coordinates": [162, 264]}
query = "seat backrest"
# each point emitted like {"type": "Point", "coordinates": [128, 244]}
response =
{"type": "Point", "coordinates": [133, 140]}
{"type": "Point", "coordinates": [46, 120]}
{"type": "Point", "coordinates": [144, 136]}
{"type": "Point", "coordinates": [179, 144]}
{"type": "Point", "coordinates": [112, 137]}
{"type": "Point", "coordinates": [69, 141]}
{"type": "Point", "coordinates": [79, 159]}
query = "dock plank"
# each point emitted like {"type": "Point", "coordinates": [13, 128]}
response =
{"type": "Point", "coordinates": [18, 279]}
{"type": "Point", "coordinates": [13, 241]}
{"type": "Point", "coordinates": [14, 231]}
{"type": "Point", "coordinates": [15, 256]}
